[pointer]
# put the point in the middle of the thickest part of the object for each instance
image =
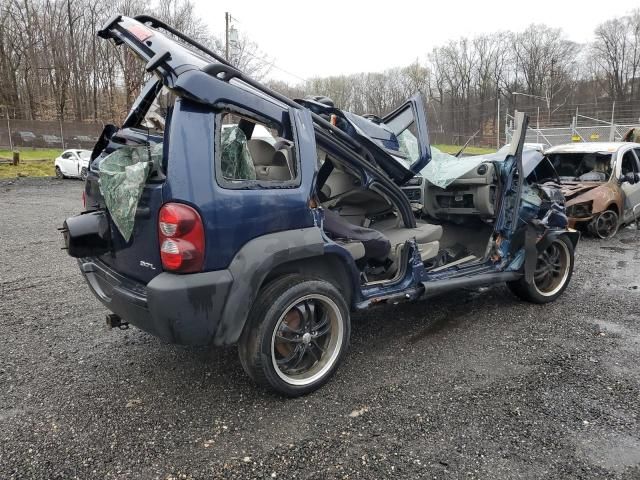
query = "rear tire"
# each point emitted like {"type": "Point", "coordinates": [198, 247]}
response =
{"type": "Point", "coordinates": [554, 268]}
{"type": "Point", "coordinates": [296, 335]}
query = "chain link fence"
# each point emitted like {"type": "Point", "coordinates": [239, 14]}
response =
{"type": "Point", "coordinates": [48, 134]}
{"type": "Point", "coordinates": [593, 130]}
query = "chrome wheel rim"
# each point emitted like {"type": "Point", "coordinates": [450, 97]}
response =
{"type": "Point", "coordinates": [552, 269]}
{"type": "Point", "coordinates": [307, 339]}
{"type": "Point", "coordinates": [606, 225]}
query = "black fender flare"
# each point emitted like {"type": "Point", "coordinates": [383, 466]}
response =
{"type": "Point", "coordinates": [251, 265]}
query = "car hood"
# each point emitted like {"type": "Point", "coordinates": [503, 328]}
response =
{"type": "Point", "coordinates": [573, 191]}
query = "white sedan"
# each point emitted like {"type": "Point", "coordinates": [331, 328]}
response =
{"type": "Point", "coordinates": [73, 163]}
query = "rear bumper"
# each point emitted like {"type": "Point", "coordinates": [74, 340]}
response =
{"type": "Point", "coordinates": [184, 309]}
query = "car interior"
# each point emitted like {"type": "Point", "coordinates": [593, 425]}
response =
{"type": "Point", "coordinates": [455, 227]}
{"type": "Point", "coordinates": [582, 167]}
{"type": "Point", "coordinates": [457, 231]}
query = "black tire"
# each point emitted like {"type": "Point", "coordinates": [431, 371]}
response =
{"type": "Point", "coordinates": [83, 174]}
{"type": "Point", "coordinates": [281, 325]}
{"type": "Point", "coordinates": [59, 174]}
{"type": "Point", "coordinates": [549, 282]}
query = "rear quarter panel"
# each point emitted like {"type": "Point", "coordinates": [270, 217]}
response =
{"type": "Point", "coordinates": [231, 217]}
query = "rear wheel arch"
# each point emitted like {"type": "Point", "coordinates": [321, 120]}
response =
{"type": "Point", "coordinates": [253, 264]}
{"type": "Point", "coordinates": [329, 267]}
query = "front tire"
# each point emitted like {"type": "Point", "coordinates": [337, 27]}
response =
{"type": "Point", "coordinates": [605, 225]}
{"type": "Point", "coordinates": [59, 174]}
{"type": "Point", "coordinates": [83, 174]}
{"type": "Point", "coordinates": [554, 268]}
{"type": "Point", "coordinates": [296, 335]}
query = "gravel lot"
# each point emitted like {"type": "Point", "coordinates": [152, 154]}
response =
{"type": "Point", "coordinates": [471, 385]}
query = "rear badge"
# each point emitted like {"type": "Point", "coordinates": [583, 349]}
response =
{"type": "Point", "coordinates": [147, 265]}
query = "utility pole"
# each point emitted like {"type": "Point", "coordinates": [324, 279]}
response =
{"type": "Point", "coordinates": [226, 35]}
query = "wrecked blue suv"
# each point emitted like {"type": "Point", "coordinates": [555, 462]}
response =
{"type": "Point", "coordinates": [222, 212]}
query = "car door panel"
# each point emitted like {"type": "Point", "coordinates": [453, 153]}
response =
{"type": "Point", "coordinates": [66, 164]}
{"type": "Point", "coordinates": [632, 191]}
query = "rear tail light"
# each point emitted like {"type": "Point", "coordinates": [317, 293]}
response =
{"type": "Point", "coordinates": [181, 236]}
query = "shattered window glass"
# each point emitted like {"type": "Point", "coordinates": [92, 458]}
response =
{"type": "Point", "coordinates": [409, 145]}
{"type": "Point", "coordinates": [236, 160]}
{"type": "Point", "coordinates": [122, 176]}
{"type": "Point", "coordinates": [444, 169]}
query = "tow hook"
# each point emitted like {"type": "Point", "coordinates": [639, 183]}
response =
{"type": "Point", "coordinates": [114, 321]}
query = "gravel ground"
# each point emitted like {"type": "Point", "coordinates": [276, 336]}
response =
{"type": "Point", "coordinates": [474, 384]}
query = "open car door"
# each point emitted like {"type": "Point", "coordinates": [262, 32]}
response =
{"type": "Point", "coordinates": [408, 123]}
{"type": "Point", "coordinates": [399, 142]}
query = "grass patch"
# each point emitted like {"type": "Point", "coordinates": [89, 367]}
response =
{"type": "Point", "coordinates": [453, 149]}
{"type": "Point", "coordinates": [32, 154]}
{"type": "Point", "coordinates": [34, 162]}
{"type": "Point", "coordinates": [28, 168]}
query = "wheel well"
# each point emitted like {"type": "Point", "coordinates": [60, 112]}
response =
{"type": "Point", "coordinates": [614, 208]}
{"type": "Point", "coordinates": [327, 267]}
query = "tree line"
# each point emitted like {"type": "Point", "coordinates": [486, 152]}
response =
{"type": "Point", "coordinates": [537, 70]}
{"type": "Point", "coordinates": [52, 66]}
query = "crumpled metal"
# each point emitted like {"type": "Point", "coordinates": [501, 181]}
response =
{"type": "Point", "coordinates": [122, 176]}
{"type": "Point", "coordinates": [236, 162]}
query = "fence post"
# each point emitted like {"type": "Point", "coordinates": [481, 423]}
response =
{"type": "Point", "coordinates": [6, 109]}
{"type": "Point", "coordinates": [498, 126]}
{"type": "Point", "coordinates": [61, 134]}
{"type": "Point", "coordinates": [612, 131]}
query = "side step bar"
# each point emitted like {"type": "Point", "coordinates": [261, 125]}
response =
{"type": "Point", "coordinates": [436, 287]}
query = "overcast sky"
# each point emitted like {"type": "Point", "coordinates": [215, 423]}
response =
{"type": "Point", "coordinates": [330, 37]}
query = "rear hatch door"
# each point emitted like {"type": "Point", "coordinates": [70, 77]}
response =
{"type": "Point", "coordinates": [138, 256]}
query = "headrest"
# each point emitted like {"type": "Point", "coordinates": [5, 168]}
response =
{"type": "Point", "coordinates": [280, 159]}
{"type": "Point", "coordinates": [262, 152]}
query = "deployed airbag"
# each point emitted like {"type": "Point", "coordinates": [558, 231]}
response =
{"type": "Point", "coordinates": [236, 160]}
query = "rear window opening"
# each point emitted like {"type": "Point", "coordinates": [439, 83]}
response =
{"type": "Point", "coordinates": [145, 131]}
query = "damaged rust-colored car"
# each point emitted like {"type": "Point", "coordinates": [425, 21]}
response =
{"type": "Point", "coordinates": [600, 182]}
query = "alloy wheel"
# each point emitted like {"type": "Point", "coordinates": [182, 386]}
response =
{"type": "Point", "coordinates": [306, 339]}
{"type": "Point", "coordinates": [606, 224]}
{"type": "Point", "coordinates": [552, 269]}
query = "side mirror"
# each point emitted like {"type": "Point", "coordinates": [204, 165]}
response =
{"type": "Point", "coordinates": [630, 177]}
